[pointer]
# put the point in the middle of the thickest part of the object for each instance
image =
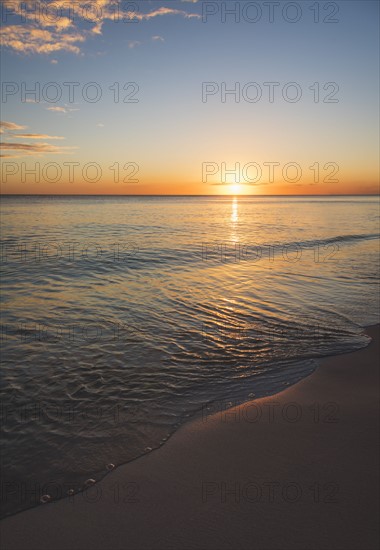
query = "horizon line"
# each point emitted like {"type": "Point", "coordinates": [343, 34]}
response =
{"type": "Point", "coordinates": [182, 195]}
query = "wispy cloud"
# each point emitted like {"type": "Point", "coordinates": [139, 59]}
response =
{"type": "Point", "coordinates": [58, 109]}
{"type": "Point", "coordinates": [158, 38]}
{"type": "Point", "coordinates": [133, 44]}
{"type": "Point", "coordinates": [34, 149]}
{"type": "Point", "coordinates": [4, 126]}
{"type": "Point", "coordinates": [36, 136]}
{"type": "Point", "coordinates": [166, 11]}
{"type": "Point", "coordinates": [18, 149]}
{"type": "Point", "coordinates": [62, 28]}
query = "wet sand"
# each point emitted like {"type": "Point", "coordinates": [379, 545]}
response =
{"type": "Point", "coordinates": [297, 470]}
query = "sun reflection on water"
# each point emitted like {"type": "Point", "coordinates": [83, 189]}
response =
{"type": "Point", "coordinates": [234, 212]}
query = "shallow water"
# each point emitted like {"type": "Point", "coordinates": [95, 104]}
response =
{"type": "Point", "coordinates": [123, 316]}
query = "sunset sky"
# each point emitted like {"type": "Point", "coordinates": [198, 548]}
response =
{"type": "Point", "coordinates": [162, 132]}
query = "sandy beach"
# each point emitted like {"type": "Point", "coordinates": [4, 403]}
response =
{"type": "Point", "coordinates": [297, 470]}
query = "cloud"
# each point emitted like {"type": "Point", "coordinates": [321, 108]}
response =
{"type": "Point", "coordinates": [100, 125]}
{"type": "Point", "coordinates": [97, 29]}
{"type": "Point", "coordinates": [36, 136]}
{"type": "Point", "coordinates": [26, 149]}
{"type": "Point", "coordinates": [166, 11]}
{"type": "Point", "coordinates": [58, 109]}
{"type": "Point", "coordinates": [5, 126]}
{"type": "Point", "coordinates": [48, 14]}
{"type": "Point", "coordinates": [133, 43]}
{"type": "Point", "coordinates": [59, 24]}
{"type": "Point", "coordinates": [36, 148]}
{"type": "Point", "coordinates": [158, 38]}
{"type": "Point", "coordinates": [28, 39]}
{"type": "Point", "coordinates": [54, 62]}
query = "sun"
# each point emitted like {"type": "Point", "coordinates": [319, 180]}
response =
{"type": "Point", "coordinates": [236, 189]}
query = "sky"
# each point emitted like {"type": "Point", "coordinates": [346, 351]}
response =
{"type": "Point", "coordinates": [190, 97]}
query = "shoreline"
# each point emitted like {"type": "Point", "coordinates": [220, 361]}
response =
{"type": "Point", "coordinates": [226, 403]}
{"type": "Point", "coordinates": [229, 403]}
{"type": "Point", "coordinates": [219, 475]}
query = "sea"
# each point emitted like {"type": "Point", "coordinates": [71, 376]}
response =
{"type": "Point", "coordinates": [124, 317]}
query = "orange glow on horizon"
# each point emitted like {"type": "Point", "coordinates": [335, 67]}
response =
{"type": "Point", "coordinates": [173, 187]}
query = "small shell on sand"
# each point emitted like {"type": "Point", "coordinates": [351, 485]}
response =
{"type": "Point", "coordinates": [148, 449]}
{"type": "Point", "coordinates": [110, 466]}
{"type": "Point", "coordinates": [89, 482]}
{"type": "Point", "coordinates": [45, 498]}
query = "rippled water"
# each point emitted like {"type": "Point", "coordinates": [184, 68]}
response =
{"type": "Point", "coordinates": [123, 316]}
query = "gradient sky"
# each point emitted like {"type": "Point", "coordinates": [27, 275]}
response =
{"type": "Point", "coordinates": [169, 50]}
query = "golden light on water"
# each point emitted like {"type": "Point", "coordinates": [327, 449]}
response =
{"type": "Point", "coordinates": [234, 234]}
{"type": "Point", "coordinates": [234, 211]}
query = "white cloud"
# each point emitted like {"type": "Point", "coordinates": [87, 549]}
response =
{"type": "Point", "coordinates": [166, 11]}
{"type": "Point", "coordinates": [133, 44]}
{"type": "Point", "coordinates": [58, 109]}
{"type": "Point", "coordinates": [158, 38]}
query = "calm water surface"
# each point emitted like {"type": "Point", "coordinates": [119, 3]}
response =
{"type": "Point", "coordinates": [122, 317]}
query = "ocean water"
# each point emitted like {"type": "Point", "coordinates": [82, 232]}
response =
{"type": "Point", "coordinates": [122, 317]}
